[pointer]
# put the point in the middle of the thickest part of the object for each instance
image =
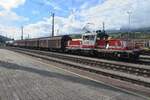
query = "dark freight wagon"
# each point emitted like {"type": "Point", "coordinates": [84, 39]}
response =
{"type": "Point", "coordinates": [43, 43]}
{"type": "Point", "coordinates": [20, 43]}
{"type": "Point", "coordinates": [58, 42]}
{"type": "Point", "coordinates": [53, 43]}
{"type": "Point", "coordinates": [32, 43]}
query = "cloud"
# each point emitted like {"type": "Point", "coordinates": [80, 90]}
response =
{"type": "Point", "coordinates": [10, 31]}
{"type": "Point", "coordinates": [39, 29]}
{"type": "Point", "coordinates": [9, 16]}
{"type": "Point", "coordinates": [114, 13]}
{"type": "Point", "coordinates": [51, 3]}
{"type": "Point", "coordinates": [9, 4]}
{"type": "Point", "coordinates": [9, 19]}
{"type": "Point", "coordinates": [62, 26]}
{"type": "Point", "coordinates": [8, 26]}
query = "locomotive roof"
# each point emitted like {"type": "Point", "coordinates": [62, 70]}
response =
{"type": "Point", "coordinates": [93, 33]}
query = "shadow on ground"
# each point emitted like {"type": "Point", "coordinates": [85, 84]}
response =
{"type": "Point", "coordinates": [47, 73]}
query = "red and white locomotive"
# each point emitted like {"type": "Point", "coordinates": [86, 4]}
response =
{"type": "Point", "coordinates": [100, 44]}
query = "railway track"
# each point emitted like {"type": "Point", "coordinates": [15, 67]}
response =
{"type": "Point", "coordinates": [137, 74]}
{"type": "Point", "coordinates": [145, 59]}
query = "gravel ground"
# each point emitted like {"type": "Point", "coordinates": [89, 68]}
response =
{"type": "Point", "coordinates": [25, 78]}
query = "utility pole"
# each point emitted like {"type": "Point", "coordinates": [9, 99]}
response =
{"type": "Point", "coordinates": [13, 38]}
{"type": "Point", "coordinates": [6, 35]}
{"type": "Point", "coordinates": [53, 15]}
{"type": "Point", "coordinates": [129, 22]}
{"type": "Point", "coordinates": [103, 27]}
{"type": "Point", "coordinates": [22, 32]}
{"type": "Point", "coordinates": [57, 31]}
{"type": "Point", "coordinates": [28, 36]}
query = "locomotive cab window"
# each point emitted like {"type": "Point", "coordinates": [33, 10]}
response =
{"type": "Point", "coordinates": [89, 37]}
{"type": "Point", "coordinates": [85, 37]}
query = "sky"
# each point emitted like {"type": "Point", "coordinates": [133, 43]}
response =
{"type": "Point", "coordinates": [71, 16]}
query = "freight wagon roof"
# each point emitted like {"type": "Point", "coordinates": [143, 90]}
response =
{"type": "Point", "coordinates": [19, 40]}
{"type": "Point", "coordinates": [51, 38]}
{"type": "Point", "coordinates": [42, 38]}
{"type": "Point", "coordinates": [38, 38]}
{"type": "Point", "coordinates": [56, 38]}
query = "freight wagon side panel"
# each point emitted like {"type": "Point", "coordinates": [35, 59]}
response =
{"type": "Point", "coordinates": [32, 43]}
{"type": "Point", "coordinates": [20, 43]}
{"type": "Point", "coordinates": [55, 43]}
{"type": "Point", "coordinates": [43, 43]}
